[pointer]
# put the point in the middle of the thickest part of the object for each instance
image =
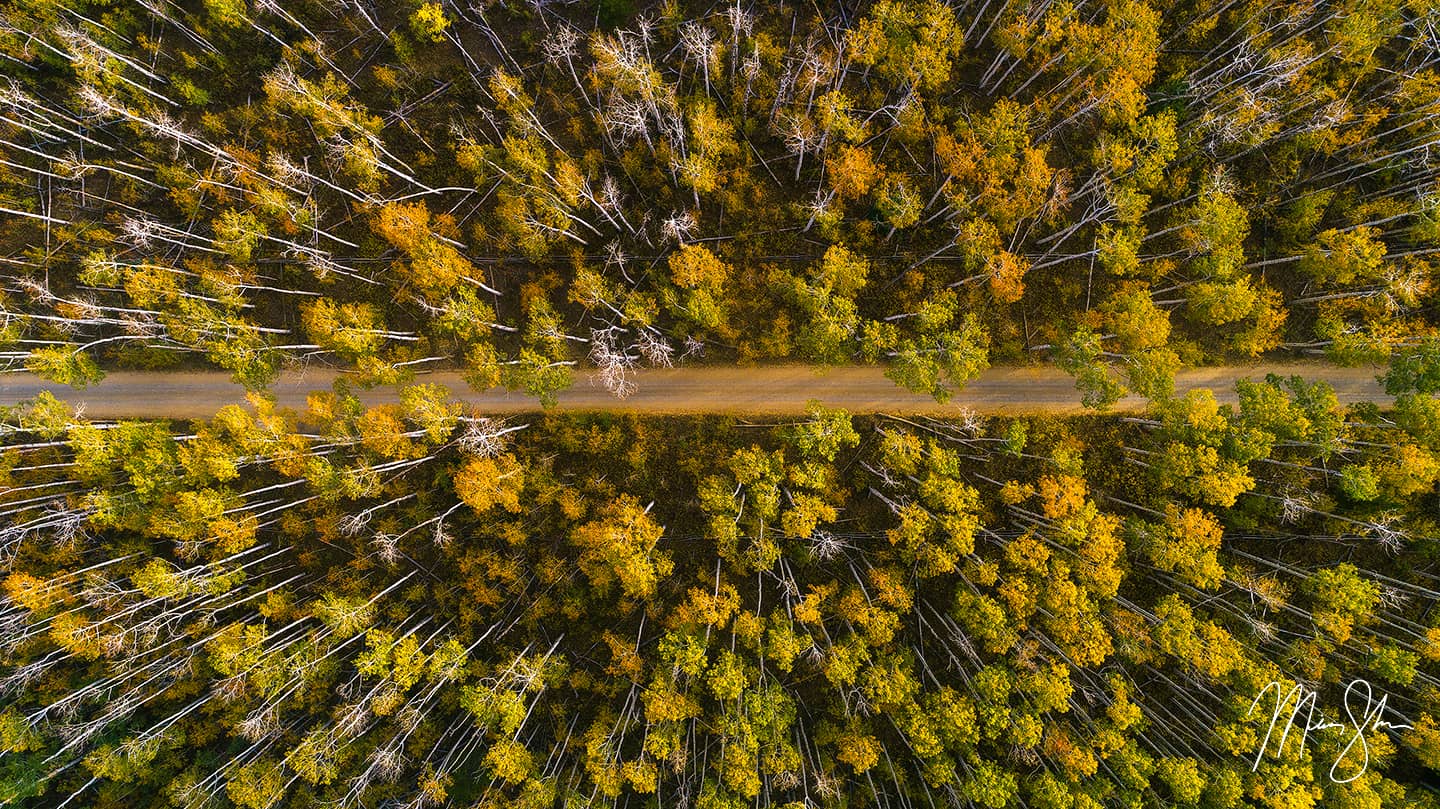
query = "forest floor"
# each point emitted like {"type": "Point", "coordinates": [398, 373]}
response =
{"type": "Point", "coordinates": [699, 389]}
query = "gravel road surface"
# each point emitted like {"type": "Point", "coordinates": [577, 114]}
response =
{"type": "Point", "coordinates": [707, 389]}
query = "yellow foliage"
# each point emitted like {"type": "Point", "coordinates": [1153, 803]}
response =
{"type": "Point", "coordinates": [852, 171]}
{"type": "Point", "coordinates": [484, 483]}
{"type": "Point", "coordinates": [34, 594]}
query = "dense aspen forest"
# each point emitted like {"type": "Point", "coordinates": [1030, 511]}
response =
{"type": "Point", "coordinates": [1225, 599]}
{"type": "Point", "coordinates": [417, 606]}
{"type": "Point", "coordinates": [518, 189]}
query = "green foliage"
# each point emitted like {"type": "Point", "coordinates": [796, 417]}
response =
{"type": "Point", "coordinates": [942, 356]}
{"type": "Point", "coordinates": [914, 43]}
{"type": "Point", "coordinates": [613, 13]}
{"type": "Point", "coordinates": [238, 233]}
{"type": "Point", "coordinates": [65, 366]}
{"type": "Point", "coordinates": [826, 300]}
{"type": "Point", "coordinates": [1416, 369]}
{"type": "Point", "coordinates": [1082, 358]}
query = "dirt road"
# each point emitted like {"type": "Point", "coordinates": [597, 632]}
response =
{"type": "Point", "coordinates": [771, 389]}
